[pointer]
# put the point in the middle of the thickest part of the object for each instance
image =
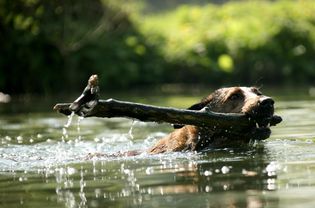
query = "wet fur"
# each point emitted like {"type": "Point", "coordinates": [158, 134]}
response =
{"type": "Point", "coordinates": [247, 100]}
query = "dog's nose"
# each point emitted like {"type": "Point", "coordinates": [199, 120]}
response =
{"type": "Point", "coordinates": [266, 102]}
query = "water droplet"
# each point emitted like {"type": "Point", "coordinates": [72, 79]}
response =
{"type": "Point", "coordinates": [271, 184]}
{"type": "Point", "coordinates": [149, 171]}
{"type": "Point", "coordinates": [225, 187]}
{"type": "Point", "coordinates": [208, 188]}
{"type": "Point", "coordinates": [207, 173]}
{"type": "Point", "coordinates": [69, 120]}
{"type": "Point", "coordinates": [131, 129]}
{"type": "Point", "coordinates": [71, 171]}
{"type": "Point", "coordinates": [64, 134]}
{"type": "Point", "coordinates": [19, 139]}
{"type": "Point", "coordinates": [80, 118]}
{"type": "Point", "coordinates": [225, 169]}
{"type": "Point", "coordinates": [272, 168]}
{"type": "Point", "coordinates": [98, 192]}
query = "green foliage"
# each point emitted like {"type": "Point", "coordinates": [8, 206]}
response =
{"type": "Point", "coordinates": [242, 41]}
{"type": "Point", "coordinates": [57, 44]}
{"type": "Point", "coordinates": [51, 46]}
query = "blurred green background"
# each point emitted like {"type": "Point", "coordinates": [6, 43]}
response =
{"type": "Point", "coordinates": [49, 47]}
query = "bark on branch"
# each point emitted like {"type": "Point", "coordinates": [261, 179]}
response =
{"type": "Point", "coordinates": [88, 105]}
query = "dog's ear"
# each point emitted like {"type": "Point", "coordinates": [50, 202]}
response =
{"type": "Point", "coordinates": [203, 103]}
{"type": "Point", "coordinates": [198, 106]}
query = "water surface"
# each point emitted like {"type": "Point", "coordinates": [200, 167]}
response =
{"type": "Point", "coordinates": [45, 164]}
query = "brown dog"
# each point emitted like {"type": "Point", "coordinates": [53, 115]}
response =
{"type": "Point", "coordinates": [258, 109]}
{"type": "Point", "coordinates": [247, 100]}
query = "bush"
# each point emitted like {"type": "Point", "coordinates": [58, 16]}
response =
{"type": "Point", "coordinates": [242, 41]}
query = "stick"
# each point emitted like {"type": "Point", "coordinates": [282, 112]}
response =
{"type": "Point", "coordinates": [88, 105]}
{"type": "Point", "coordinates": [115, 108]}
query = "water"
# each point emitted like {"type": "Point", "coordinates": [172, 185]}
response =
{"type": "Point", "coordinates": [44, 161]}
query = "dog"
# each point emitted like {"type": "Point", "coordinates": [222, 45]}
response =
{"type": "Point", "coordinates": [246, 100]}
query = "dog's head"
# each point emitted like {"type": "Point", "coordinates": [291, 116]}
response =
{"type": "Point", "coordinates": [247, 100]}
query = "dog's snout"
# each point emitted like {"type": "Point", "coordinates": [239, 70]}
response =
{"type": "Point", "coordinates": [266, 102]}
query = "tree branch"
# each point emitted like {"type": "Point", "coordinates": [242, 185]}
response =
{"type": "Point", "coordinates": [88, 105]}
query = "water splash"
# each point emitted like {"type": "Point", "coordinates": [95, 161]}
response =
{"type": "Point", "coordinates": [64, 134]}
{"type": "Point", "coordinates": [82, 193]}
{"type": "Point", "coordinates": [66, 126]}
{"type": "Point", "coordinates": [79, 128]}
{"type": "Point", "coordinates": [130, 132]}
{"type": "Point", "coordinates": [70, 117]}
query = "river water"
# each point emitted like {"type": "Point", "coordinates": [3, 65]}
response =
{"type": "Point", "coordinates": [45, 163]}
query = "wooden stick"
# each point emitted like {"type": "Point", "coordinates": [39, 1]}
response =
{"type": "Point", "coordinates": [115, 108]}
{"type": "Point", "coordinates": [88, 105]}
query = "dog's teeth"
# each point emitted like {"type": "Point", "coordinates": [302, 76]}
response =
{"type": "Point", "coordinates": [257, 126]}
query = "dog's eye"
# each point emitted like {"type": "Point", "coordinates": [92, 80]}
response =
{"type": "Point", "coordinates": [236, 96]}
{"type": "Point", "coordinates": [256, 91]}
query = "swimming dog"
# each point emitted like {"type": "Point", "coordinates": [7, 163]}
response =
{"type": "Point", "coordinates": [246, 100]}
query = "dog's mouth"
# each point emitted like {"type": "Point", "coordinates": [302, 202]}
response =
{"type": "Point", "coordinates": [262, 117]}
{"type": "Point", "coordinates": [260, 125]}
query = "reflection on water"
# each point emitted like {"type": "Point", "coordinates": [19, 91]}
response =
{"type": "Point", "coordinates": [43, 162]}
